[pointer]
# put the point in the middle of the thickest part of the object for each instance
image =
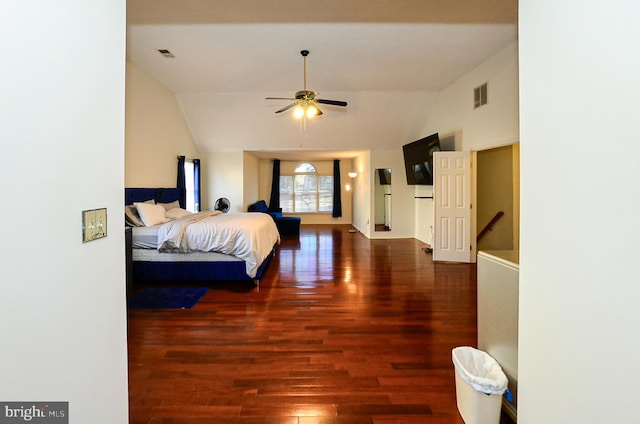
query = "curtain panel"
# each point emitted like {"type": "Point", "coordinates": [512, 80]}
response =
{"type": "Point", "coordinates": [337, 192]}
{"type": "Point", "coordinates": [181, 182]}
{"type": "Point", "coordinates": [274, 200]}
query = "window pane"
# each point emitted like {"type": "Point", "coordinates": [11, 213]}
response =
{"type": "Point", "coordinates": [306, 202]}
{"type": "Point", "coordinates": [305, 193]}
{"type": "Point", "coordinates": [286, 184]}
{"type": "Point", "coordinates": [326, 202]}
{"type": "Point", "coordinates": [189, 186]}
{"type": "Point", "coordinates": [305, 167]}
{"type": "Point", "coordinates": [286, 193]}
{"type": "Point", "coordinates": [325, 192]}
{"type": "Point", "coordinates": [326, 184]}
{"type": "Point", "coordinates": [286, 202]}
{"type": "Point", "coordinates": [305, 183]}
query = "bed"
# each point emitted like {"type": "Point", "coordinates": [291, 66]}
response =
{"type": "Point", "coordinates": [205, 246]}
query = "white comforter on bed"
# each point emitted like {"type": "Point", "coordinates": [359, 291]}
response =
{"type": "Point", "coordinates": [249, 236]}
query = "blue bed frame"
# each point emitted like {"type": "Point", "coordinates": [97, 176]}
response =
{"type": "Point", "coordinates": [185, 271]}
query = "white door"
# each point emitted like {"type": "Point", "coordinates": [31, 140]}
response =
{"type": "Point", "coordinates": [452, 207]}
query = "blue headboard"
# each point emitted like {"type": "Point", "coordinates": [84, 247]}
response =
{"type": "Point", "coordinates": [160, 195]}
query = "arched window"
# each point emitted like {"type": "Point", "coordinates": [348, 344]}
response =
{"type": "Point", "coordinates": [305, 168]}
{"type": "Point", "coordinates": [306, 191]}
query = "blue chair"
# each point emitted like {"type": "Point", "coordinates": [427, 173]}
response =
{"type": "Point", "coordinates": [287, 225]}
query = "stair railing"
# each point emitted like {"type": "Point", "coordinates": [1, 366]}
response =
{"type": "Point", "coordinates": [490, 225]}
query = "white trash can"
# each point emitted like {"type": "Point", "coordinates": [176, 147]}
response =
{"type": "Point", "coordinates": [480, 385]}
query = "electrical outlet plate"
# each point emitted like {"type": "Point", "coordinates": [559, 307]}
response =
{"type": "Point", "coordinates": [94, 224]}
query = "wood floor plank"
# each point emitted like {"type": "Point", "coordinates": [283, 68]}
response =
{"type": "Point", "coordinates": [342, 330]}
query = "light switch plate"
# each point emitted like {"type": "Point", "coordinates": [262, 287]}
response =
{"type": "Point", "coordinates": [101, 223]}
{"type": "Point", "coordinates": [94, 224]}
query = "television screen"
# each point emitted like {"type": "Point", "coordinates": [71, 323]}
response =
{"type": "Point", "coordinates": [385, 176]}
{"type": "Point", "coordinates": [418, 160]}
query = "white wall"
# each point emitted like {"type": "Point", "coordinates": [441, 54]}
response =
{"type": "Point", "coordinates": [224, 177]}
{"type": "Point", "coordinates": [362, 194]}
{"type": "Point", "coordinates": [251, 180]}
{"type": "Point", "coordinates": [423, 210]}
{"type": "Point", "coordinates": [491, 125]}
{"type": "Point", "coordinates": [156, 133]}
{"type": "Point", "coordinates": [63, 309]}
{"type": "Point", "coordinates": [579, 315]}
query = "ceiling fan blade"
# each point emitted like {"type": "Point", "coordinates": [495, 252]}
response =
{"type": "Point", "coordinates": [332, 102]}
{"type": "Point", "coordinates": [286, 108]}
{"type": "Point", "coordinates": [278, 98]}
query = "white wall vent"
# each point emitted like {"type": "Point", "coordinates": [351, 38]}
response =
{"type": "Point", "coordinates": [480, 96]}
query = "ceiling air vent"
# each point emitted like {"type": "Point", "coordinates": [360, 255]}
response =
{"type": "Point", "coordinates": [166, 53]}
{"type": "Point", "coordinates": [480, 96]}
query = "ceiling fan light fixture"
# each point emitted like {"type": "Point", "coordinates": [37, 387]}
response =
{"type": "Point", "coordinates": [312, 111]}
{"type": "Point", "coordinates": [298, 112]}
{"type": "Point", "coordinates": [304, 102]}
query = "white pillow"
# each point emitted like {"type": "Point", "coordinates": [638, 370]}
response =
{"type": "Point", "coordinates": [151, 214]}
{"type": "Point", "coordinates": [169, 206]}
{"type": "Point", "coordinates": [176, 213]}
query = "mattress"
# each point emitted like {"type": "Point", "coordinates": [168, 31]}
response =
{"type": "Point", "coordinates": [152, 255]}
{"type": "Point", "coordinates": [145, 237]}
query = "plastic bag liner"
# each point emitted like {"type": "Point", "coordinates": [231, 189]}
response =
{"type": "Point", "coordinates": [479, 370]}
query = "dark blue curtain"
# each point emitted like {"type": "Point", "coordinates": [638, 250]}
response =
{"type": "Point", "coordinates": [181, 183]}
{"type": "Point", "coordinates": [196, 183]}
{"type": "Point", "coordinates": [337, 196]}
{"type": "Point", "coordinates": [274, 200]}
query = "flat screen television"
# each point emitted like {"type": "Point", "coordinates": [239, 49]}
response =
{"type": "Point", "coordinates": [385, 176]}
{"type": "Point", "coordinates": [418, 159]}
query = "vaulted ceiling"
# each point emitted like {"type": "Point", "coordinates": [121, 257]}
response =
{"type": "Point", "coordinates": [383, 57]}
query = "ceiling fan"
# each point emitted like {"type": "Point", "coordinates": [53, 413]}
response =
{"type": "Point", "coordinates": [305, 101]}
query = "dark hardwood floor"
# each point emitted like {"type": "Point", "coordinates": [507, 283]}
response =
{"type": "Point", "coordinates": [341, 330]}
